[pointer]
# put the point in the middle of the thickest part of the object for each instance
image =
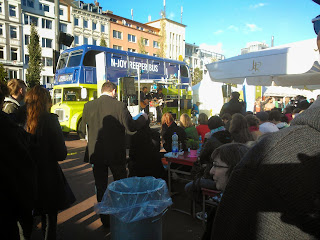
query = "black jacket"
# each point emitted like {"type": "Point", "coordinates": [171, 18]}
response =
{"type": "Point", "coordinates": [216, 140]}
{"type": "Point", "coordinates": [233, 106]}
{"type": "Point", "coordinates": [167, 133]}
{"type": "Point", "coordinates": [107, 120]}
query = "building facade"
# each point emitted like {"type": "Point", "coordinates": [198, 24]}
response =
{"type": "Point", "coordinates": [89, 24]}
{"type": "Point", "coordinates": [11, 54]}
{"type": "Point", "coordinates": [132, 36]}
{"type": "Point", "coordinates": [174, 38]}
{"type": "Point", "coordinates": [253, 47]}
{"type": "Point", "coordinates": [41, 13]}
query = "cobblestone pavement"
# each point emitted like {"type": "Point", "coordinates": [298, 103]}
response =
{"type": "Point", "coordinates": [81, 222]}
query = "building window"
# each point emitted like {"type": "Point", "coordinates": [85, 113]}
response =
{"type": "Point", "coordinates": [47, 79]}
{"type": "Point", "coordinates": [117, 47]}
{"type": "Point", "coordinates": [131, 50]}
{"type": "Point", "coordinates": [62, 47]}
{"type": "Point", "coordinates": [76, 21]}
{"type": "Point", "coordinates": [117, 34]}
{"type": "Point", "coordinates": [1, 52]}
{"type": "Point", "coordinates": [14, 54]}
{"type": "Point", "coordinates": [76, 39]}
{"type": "Point", "coordinates": [30, 19]}
{"type": "Point", "coordinates": [47, 61]}
{"type": "Point", "coordinates": [113, 20]}
{"type": "Point", "coordinates": [131, 38]}
{"type": "Point", "coordinates": [94, 42]}
{"type": "Point", "coordinates": [26, 59]}
{"type": "Point", "coordinates": [61, 12]}
{"type": "Point", "coordinates": [12, 11]}
{"type": "Point", "coordinates": [63, 27]}
{"type": "Point", "coordinates": [30, 3]}
{"type": "Point", "coordinates": [46, 42]}
{"type": "Point", "coordinates": [85, 23]}
{"type": "Point", "coordinates": [125, 23]}
{"type": "Point", "coordinates": [13, 32]}
{"type": "Point", "coordinates": [46, 23]}
{"type": "Point", "coordinates": [146, 42]}
{"type": "Point", "coordinates": [12, 74]}
{"type": "Point", "coordinates": [140, 28]}
{"type": "Point", "coordinates": [156, 44]}
{"type": "Point", "coordinates": [24, 2]}
{"type": "Point", "coordinates": [94, 26]}
{"type": "Point", "coordinates": [85, 40]}
{"type": "Point", "coordinates": [155, 55]}
{"type": "Point", "coordinates": [102, 28]}
{"type": "Point", "coordinates": [44, 7]}
{"type": "Point", "coordinates": [0, 7]}
{"type": "Point", "coordinates": [1, 29]}
{"type": "Point", "coordinates": [26, 39]}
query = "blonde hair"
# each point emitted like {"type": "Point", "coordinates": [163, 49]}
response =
{"type": "Point", "coordinates": [185, 120]}
{"type": "Point", "coordinates": [14, 86]}
{"type": "Point", "coordinates": [166, 118]}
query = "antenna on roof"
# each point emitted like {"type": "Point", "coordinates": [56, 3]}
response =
{"type": "Point", "coordinates": [149, 18]}
{"type": "Point", "coordinates": [181, 13]}
{"type": "Point", "coordinates": [164, 9]}
{"type": "Point", "coordinates": [272, 41]}
{"type": "Point", "coordinates": [132, 13]}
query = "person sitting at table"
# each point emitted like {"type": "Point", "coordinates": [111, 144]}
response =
{"type": "Point", "coordinates": [188, 127]}
{"type": "Point", "coordinates": [144, 155]}
{"type": "Point", "coordinates": [224, 159]}
{"type": "Point", "coordinates": [200, 169]}
{"type": "Point", "coordinates": [202, 128]}
{"type": "Point", "coordinates": [168, 128]}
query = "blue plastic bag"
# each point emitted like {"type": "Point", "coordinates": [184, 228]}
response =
{"type": "Point", "coordinates": [134, 199]}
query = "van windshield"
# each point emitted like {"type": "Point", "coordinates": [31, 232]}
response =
{"type": "Point", "coordinates": [75, 58]}
{"type": "Point", "coordinates": [63, 60]}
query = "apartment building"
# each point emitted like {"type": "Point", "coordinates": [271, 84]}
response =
{"type": "Point", "coordinates": [89, 25]}
{"type": "Point", "coordinates": [11, 55]}
{"type": "Point", "coordinates": [41, 13]}
{"type": "Point", "coordinates": [175, 38]}
{"type": "Point", "coordinates": [132, 36]}
{"type": "Point", "coordinates": [253, 47]}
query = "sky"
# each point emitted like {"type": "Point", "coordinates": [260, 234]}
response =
{"type": "Point", "coordinates": [226, 26]}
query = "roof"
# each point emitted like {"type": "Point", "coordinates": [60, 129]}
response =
{"type": "Point", "coordinates": [182, 25]}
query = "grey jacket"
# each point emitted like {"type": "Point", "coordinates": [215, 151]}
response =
{"type": "Point", "coordinates": [273, 192]}
{"type": "Point", "coordinates": [10, 105]}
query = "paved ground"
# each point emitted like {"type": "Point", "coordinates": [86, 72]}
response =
{"type": "Point", "coordinates": [81, 222]}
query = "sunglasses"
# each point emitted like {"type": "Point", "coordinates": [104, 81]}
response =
{"type": "Point", "coordinates": [316, 24]}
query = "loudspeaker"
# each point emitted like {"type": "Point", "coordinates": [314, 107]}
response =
{"type": "Point", "coordinates": [65, 39]}
{"type": "Point", "coordinates": [128, 86]}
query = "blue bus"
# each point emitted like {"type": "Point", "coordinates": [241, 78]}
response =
{"type": "Point", "coordinates": [75, 80]}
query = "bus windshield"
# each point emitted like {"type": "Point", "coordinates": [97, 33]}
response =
{"type": "Point", "coordinates": [75, 58]}
{"type": "Point", "coordinates": [63, 61]}
{"type": "Point", "coordinates": [73, 94]}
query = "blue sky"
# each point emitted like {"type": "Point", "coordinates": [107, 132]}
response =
{"type": "Point", "coordinates": [228, 25]}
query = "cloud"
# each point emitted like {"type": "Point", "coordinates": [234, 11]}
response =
{"type": "Point", "coordinates": [252, 28]}
{"type": "Point", "coordinates": [213, 48]}
{"type": "Point", "coordinates": [218, 32]}
{"type": "Point", "coordinates": [257, 5]}
{"type": "Point", "coordinates": [232, 27]}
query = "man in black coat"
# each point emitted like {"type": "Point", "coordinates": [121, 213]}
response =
{"type": "Point", "coordinates": [107, 121]}
{"type": "Point", "coordinates": [234, 105]}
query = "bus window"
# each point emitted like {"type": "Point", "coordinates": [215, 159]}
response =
{"type": "Point", "coordinates": [75, 58]}
{"type": "Point", "coordinates": [89, 59]}
{"type": "Point", "coordinates": [73, 94]}
{"type": "Point", "coordinates": [63, 60]}
{"type": "Point", "coordinates": [57, 96]}
{"type": "Point", "coordinates": [184, 71]}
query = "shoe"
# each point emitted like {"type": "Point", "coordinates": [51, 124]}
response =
{"type": "Point", "coordinates": [201, 216]}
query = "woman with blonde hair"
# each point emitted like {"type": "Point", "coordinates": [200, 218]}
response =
{"type": "Point", "coordinates": [168, 128]}
{"type": "Point", "coordinates": [47, 149]}
{"type": "Point", "coordinates": [188, 127]}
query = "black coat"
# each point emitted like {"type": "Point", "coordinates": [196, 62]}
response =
{"type": "Point", "coordinates": [107, 120]}
{"type": "Point", "coordinates": [233, 106]}
{"type": "Point", "coordinates": [18, 171]}
{"type": "Point", "coordinates": [167, 133]}
{"type": "Point", "coordinates": [47, 149]}
{"type": "Point", "coordinates": [144, 154]}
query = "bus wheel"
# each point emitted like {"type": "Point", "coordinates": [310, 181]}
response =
{"type": "Point", "coordinates": [80, 134]}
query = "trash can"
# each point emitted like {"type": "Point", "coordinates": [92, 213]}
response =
{"type": "Point", "coordinates": [136, 206]}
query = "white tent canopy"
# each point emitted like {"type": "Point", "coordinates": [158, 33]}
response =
{"type": "Point", "coordinates": [294, 64]}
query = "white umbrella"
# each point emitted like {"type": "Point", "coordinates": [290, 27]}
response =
{"type": "Point", "coordinates": [294, 64]}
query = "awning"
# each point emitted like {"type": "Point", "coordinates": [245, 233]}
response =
{"type": "Point", "coordinates": [295, 64]}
